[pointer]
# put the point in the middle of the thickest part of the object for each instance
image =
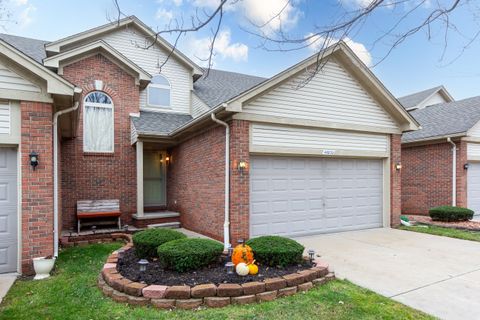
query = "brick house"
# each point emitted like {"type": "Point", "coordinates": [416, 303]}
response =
{"type": "Point", "coordinates": [440, 160]}
{"type": "Point", "coordinates": [224, 154]}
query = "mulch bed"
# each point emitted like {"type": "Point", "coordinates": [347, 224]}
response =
{"type": "Point", "coordinates": [127, 266]}
{"type": "Point", "coordinates": [463, 225]}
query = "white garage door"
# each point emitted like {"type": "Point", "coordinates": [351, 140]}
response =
{"type": "Point", "coordinates": [294, 196]}
{"type": "Point", "coordinates": [473, 187]}
{"type": "Point", "coordinates": [8, 210]}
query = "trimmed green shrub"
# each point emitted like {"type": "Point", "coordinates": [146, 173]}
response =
{"type": "Point", "coordinates": [146, 242]}
{"type": "Point", "coordinates": [189, 254]}
{"type": "Point", "coordinates": [276, 251]}
{"type": "Point", "coordinates": [450, 214]}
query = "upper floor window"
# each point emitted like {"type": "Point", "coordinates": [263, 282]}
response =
{"type": "Point", "coordinates": [97, 123]}
{"type": "Point", "coordinates": [158, 92]}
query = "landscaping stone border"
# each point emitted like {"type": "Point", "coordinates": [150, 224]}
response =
{"type": "Point", "coordinates": [79, 240]}
{"type": "Point", "coordinates": [123, 290]}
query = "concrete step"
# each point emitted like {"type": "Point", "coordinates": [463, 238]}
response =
{"type": "Point", "coordinates": [157, 215]}
{"type": "Point", "coordinates": [169, 225]}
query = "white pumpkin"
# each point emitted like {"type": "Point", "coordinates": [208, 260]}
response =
{"type": "Point", "coordinates": [242, 269]}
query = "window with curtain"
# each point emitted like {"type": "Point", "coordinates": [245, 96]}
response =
{"type": "Point", "coordinates": [158, 92]}
{"type": "Point", "coordinates": [97, 123]}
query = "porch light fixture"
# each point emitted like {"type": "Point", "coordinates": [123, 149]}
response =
{"type": "Point", "coordinates": [167, 160]}
{"type": "Point", "coordinates": [230, 266]}
{"type": "Point", "coordinates": [242, 165]}
{"type": "Point", "coordinates": [398, 166]}
{"type": "Point", "coordinates": [142, 264]}
{"type": "Point", "coordinates": [34, 159]}
{"type": "Point", "coordinates": [465, 166]}
{"type": "Point", "coordinates": [311, 255]}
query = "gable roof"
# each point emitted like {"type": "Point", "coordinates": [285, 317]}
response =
{"type": "Point", "coordinates": [437, 120]}
{"type": "Point", "coordinates": [219, 86]}
{"type": "Point", "coordinates": [55, 46]}
{"type": "Point", "coordinates": [33, 48]}
{"type": "Point", "coordinates": [412, 100]}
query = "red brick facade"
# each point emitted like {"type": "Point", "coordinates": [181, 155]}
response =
{"type": "Point", "coordinates": [427, 176]}
{"type": "Point", "coordinates": [37, 185]}
{"type": "Point", "coordinates": [395, 180]}
{"type": "Point", "coordinates": [93, 175]}
{"type": "Point", "coordinates": [196, 182]}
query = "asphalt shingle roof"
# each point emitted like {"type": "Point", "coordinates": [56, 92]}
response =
{"type": "Point", "coordinates": [159, 123]}
{"type": "Point", "coordinates": [220, 86]}
{"type": "Point", "coordinates": [445, 119]}
{"type": "Point", "coordinates": [33, 48]}
{"type": "Point", "coordinates": [414, 99]}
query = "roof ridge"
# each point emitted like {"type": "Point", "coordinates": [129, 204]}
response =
{"type": "Point", "coordinates": [422, 91]}
{"type": "Point", "coordinates": [235, 72]}
{"type": "Point", "coordinates": [28, 38]}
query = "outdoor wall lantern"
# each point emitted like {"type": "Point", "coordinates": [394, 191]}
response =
{"type": "Point", "coordinates": [142, 264]}
{"type": "Point", "coordinates": [465, 166]}
{"type": "Point", "coordinates": [398, 166]}
{"type": "Point", "coordinates": [242, 166]}
{"type": "Point", "coordinates": [34, 159]}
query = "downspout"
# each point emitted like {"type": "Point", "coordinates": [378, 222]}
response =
{"type": "Point", "coordinates": [55, 174]}
{"type": "Point", "coordinates": [454, 171]}
{"type": "Point", "coordinates": [226, 224]}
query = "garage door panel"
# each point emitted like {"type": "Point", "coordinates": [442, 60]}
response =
{"type": "Point", "coordinates": [314, 195]}
{"type": "Point", "coordinates": [473, 188]}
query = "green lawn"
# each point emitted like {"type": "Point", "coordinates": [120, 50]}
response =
{"type": "Point", "coordinates": [446, 232]}
{"type": "Point", "coordinates": [72, 294]}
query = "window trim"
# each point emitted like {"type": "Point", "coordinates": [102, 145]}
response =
{"type": "Point", "coordinates": [99, 105]}
{"type": "Point", "coordinates": [160, 86]}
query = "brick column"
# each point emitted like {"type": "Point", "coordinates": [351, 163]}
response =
{"type": "Point", "coordinates": [461, 174]}
{"type": "Point", "coordinates": [395, 180]}
{"type": "Point", "coordinates": [239, 182]}
{"type": "Point", "coordinates": [37, 186]}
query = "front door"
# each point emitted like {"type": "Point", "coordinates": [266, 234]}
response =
{"type": "Point", "coordinates": [8, 210]}
{"type": "Point", "coordinates": [154, 182]}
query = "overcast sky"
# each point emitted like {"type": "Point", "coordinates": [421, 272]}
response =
{"type": "Point", "coordinates": [415, 65]}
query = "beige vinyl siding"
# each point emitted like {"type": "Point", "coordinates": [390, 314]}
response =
{"type": "Point", "coordinates": [12, 81]}
{"type": "Point", "coordinates": [198, 106]}
{"type": "Point", "coordinates": [131, 43]}
{"type": "Point", "coordinates": [436, 98]}
{"type": "Point", "coordinates": [288, 139]}
{"type": "Point", "coordinates": [10, 122]}
{"type": "Point", "coordinates": [473, 151]}
{"type": "Point", "coordinates": [332, 95]}
{"type": "Point", "coordinates": [474, 131]}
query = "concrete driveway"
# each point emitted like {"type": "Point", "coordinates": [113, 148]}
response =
{"type": "Point", "coordinates": [438, 275]}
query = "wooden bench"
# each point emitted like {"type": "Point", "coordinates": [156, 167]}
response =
{"type": "Point", "coordinates": [92, 209]}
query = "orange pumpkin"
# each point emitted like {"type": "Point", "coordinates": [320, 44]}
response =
{"type": "Point", "coordinates": [242, 253]}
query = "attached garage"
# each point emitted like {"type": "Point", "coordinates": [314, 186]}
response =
{"type": "Point", "coordinates": [473, 177]}
{"type": "Point", "coordinates": [8, 210]}
{"type": "Point", "coordinates": [296, 196]}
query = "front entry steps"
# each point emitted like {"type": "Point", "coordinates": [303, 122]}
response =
{"type": "Point", "coordinates": [157, 219]}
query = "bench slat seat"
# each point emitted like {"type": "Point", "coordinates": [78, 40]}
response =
{"type": "Point", "coordinates": [88, 209]}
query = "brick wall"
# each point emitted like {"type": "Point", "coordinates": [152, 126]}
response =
{"type": "Point", "coordinates": [427, 177]}
{"type": "Point", "coordinates": [239, 182]}
{"type": "Point", "coordinates": [395, 180]}
{"type": "Point", "coordinates": [37, 186]}
{"type": "Point", "coordinates": [101, 176]}
{"type": "Point", "coordinates": [196, 182]}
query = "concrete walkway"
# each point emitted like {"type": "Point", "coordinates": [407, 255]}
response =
{"type": "Point", "coordinates": [438, 275]}
{"type": "Point", "coordinates": [6, 282]}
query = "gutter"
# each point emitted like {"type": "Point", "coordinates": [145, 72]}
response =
{"type": "Point", "coordinates": [226, 224]}
{"type": "Point", "coordinates": [454, 171]}
{"type": "Point", "coordinates": [55, 174]}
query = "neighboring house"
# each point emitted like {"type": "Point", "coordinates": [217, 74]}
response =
{"type": "Point", "coordinates": [449, 138]}
{"type": "Point", "coordinates": [425, 98]}
{"type": "Point", "coordinates": [308, 152]}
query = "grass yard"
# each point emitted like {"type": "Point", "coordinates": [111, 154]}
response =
{"type": "Point", "coordinates": [72, 294]}
{"type": "Point", "coordinates": [446, 232]}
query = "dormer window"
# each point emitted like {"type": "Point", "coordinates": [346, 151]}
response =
{"type": "Point", "coordinates": [158, 92]}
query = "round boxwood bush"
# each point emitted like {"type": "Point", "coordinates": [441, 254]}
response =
{"type": "Point", "coordinates": [189, 254]}
{"type": "Point", "coordinates": [450, 214]}
{"type": "Point", "coordinates": [276, 251]}
{"type": "Point", "coordinates": [146, 242]}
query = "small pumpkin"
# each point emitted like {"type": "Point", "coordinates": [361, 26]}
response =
{"type": "Point", "coordinates": [252, 268]}
{"type": "Point", "coordinates": [242, 253]}
{"type": "Point", "coordinates": [242, 269]}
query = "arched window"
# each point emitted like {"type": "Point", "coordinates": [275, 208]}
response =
{"type": "Point", "coordinates": [158, 92]}
{"type": "Point", "coordinates": [97, 123]}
